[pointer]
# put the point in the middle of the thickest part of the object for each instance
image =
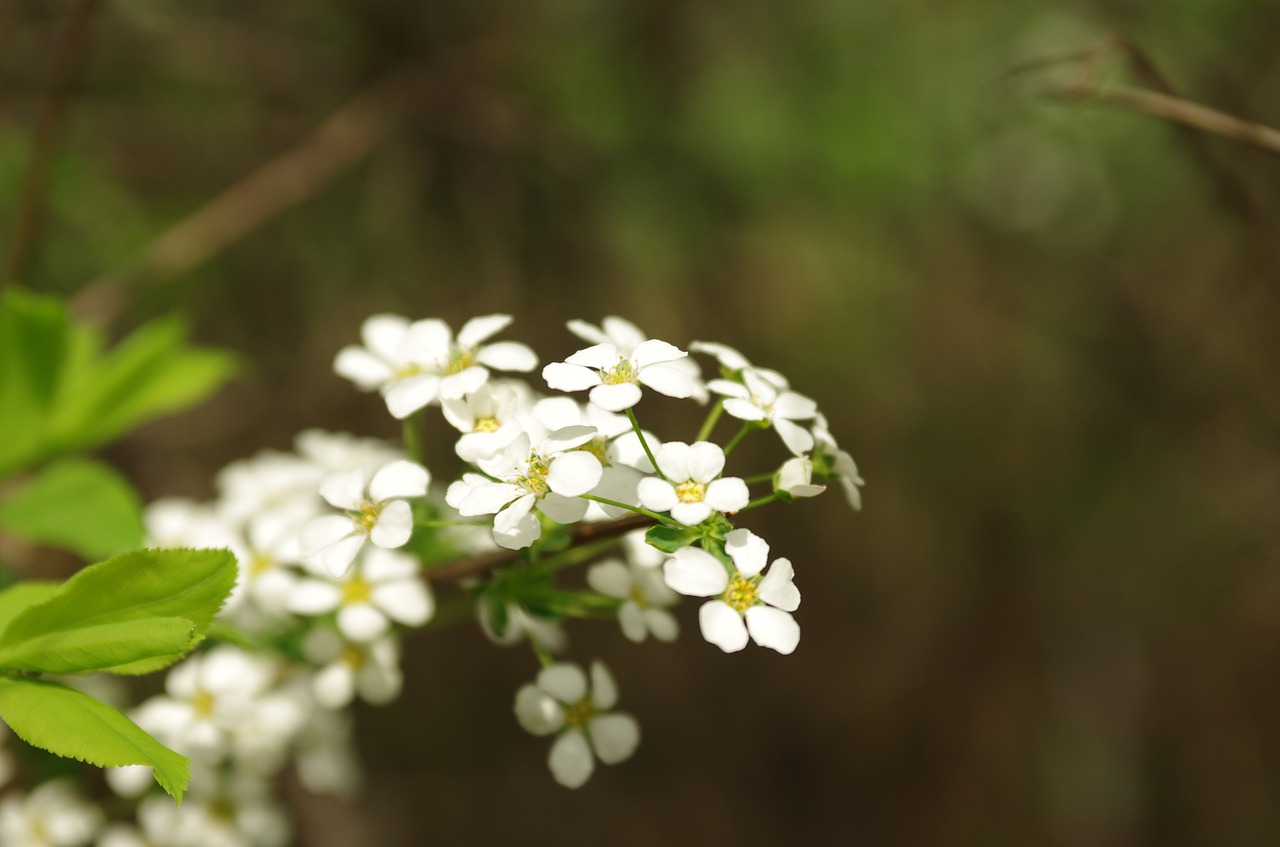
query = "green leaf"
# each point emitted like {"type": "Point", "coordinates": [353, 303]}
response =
{"type": "Point", "coordinates": [15, 598]}
{"type": "Point", "coordinates": [92, 648]}
{"type": "Point", "coordinates": [134, 586]}
{"type": "Point", "coordinates": [669, 539]}
{"type": "Point", "coordinates": [33, 333]}
{"type": "Point", "coordinates": [68, 723]}
{"type": "Point", "coordinates": [79, 505]}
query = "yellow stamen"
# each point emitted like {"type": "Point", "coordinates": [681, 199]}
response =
{"type": "Point", "coordinates": [690, 492]}
{"type": "Point", "coordinates": [741, 594]}
{"type": "Point", "coordinates": [356, 590]}
{"type": "Point", "coordinates": [486, 425]}
{"type": "Point", "coordinates": [578, 715]}
{"type": "Point", "coordinates": [619, 373]}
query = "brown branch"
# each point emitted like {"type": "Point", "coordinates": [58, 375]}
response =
{"type": "Point", "coordinates": [71, 58]}
{"type": "Point", "coordinates": [477, 565]}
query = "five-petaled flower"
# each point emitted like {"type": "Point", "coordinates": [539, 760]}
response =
{"type": "Point", "coordinates": [615, 378]}
{"type": "Point", "coordinates": [693, 487]}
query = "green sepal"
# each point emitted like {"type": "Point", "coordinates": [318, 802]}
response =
{"type": "Point", "coordinates": [78, 505]}
{"type": "Point", "coordinates": [669, 539]}
{"type": "Point", "coordinates": [73, 725]}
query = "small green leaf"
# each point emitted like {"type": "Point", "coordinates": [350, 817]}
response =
{"type": "Point", "coordinates": [140, 584]}
{"type": "Point", "coordinates": [669, 539]}
{"type": "Point", "coordinates": [99, 647]}
{"type": "Point", "coordinates": [79, 505]}
{"type": "Point", "coordinates": [15, 598]}
{"type": "Point", "coordinates": [33, 333]}
{"type": "Point", "coordinates": [71, 724]}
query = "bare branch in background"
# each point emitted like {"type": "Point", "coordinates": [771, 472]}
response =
{"type": "Point", "coordinates": [72, 54]}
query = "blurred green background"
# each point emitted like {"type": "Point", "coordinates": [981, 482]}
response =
{"type": "Point", "coordinates": [1046, 332]}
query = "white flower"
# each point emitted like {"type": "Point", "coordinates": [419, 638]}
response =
{"type": "Point", "coordinates": [325, 756]}
{"type": "Point", "coordinates": [744, 602]}
{"type": "Point", "coordinates": [378, 365]}
{"type": "Point", "coordinates": [176, 522]}
{"type": "Point", "coordinates": [691, 490]}
{"type": "Point", "coordinates": [732, 362]}
{"type": "Point", "coordinates": [551, 478]}
{"type": "Point", "coordinates": [377, 512]}
{"type": "Point", "coordinates": [52, 815]}
{"type": "Point", "coordinates": [795, 478]}
{"type": "Point", "coordinates": [561, 703]}
{"type": "Point", "coordinates": [384, 587]}
{"type": "Point", "coordinates": [369, 670]}
{"type": "Point", "coordinates": [264, 579]}
{"type": "Point", "coordinates": [615, 444]}
{"type": "Point", "coordinates": [626, 336]}
{"type": "Point", "coordinates": [838, 463]}
{"type": "Point", "coordinates": [645, 595]}
{"type": "Point", "coordinates": [489, 418]}
{"type": "Point", "coordinates": [758, 398]}
{"type": "Point", "coordinates": [615, 378]}
{"type": "Point", "coordinates": [335, 452]}
{"type": "Point", "coordinates": [273, 483]}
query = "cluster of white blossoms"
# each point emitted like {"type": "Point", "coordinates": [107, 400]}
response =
{"type": "Point", "coordinates": [339, 541]}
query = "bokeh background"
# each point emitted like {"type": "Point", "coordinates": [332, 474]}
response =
{"type": "Point", "coordinates": [1048, 332]}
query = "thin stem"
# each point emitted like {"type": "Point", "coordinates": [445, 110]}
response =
{"type": "Point", "coordinates": [763, 501]}
{"type": "Point", "coordinates": [412, 436]}
{"type": "Point", "coordinates": [759, 478]}
{"type": "Point", "coordinates": [635, 424]}
{"type": "Point", "coordinates": [637, 509]}
{"type": "Point", "coordinates": [742, 433]}
{"type": "Point", "coordinates": [577, 555]}
{"type": "Point", "coordinates": [713, 417]}
{"type": "Point", "coordinates": [544, 656]}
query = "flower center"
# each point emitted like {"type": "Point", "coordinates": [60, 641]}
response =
{"type": "Point", "coordinates": [406, 371]}
{"type": "Point", "coordinates": [353, 658]}
{"type": "Point", "coordinates": [578, 715]}
{"type": "Point", "coordinates": [741, 594]}
{"type": "Point", "coordinates": [460, 358]}
{"type": "Point", "coordinates": [367, 516]}
{"type": "Point", "coordinates": [636, 595]}
{"type": "Point", "coordinates": [597, 447]}
{"type": "Point", "coordinates": [260, 564]}
{"type": "Point", "coordinates": [486, 425]}
{"type": "Point", "coordinates": [356, 590]}
{"type": "Point", "coordinates": [619, 373]}
{"type": "Point", "coordinates": [690, 492]}
{"type": "Point", "coordinates": [202, 703]}
{"type": "Point", "coordinates": [223, 810]}
{"type": "Point", "coordinates": [535, 476]}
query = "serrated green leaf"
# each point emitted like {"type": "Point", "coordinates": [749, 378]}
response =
{"type": "Point", "coordinates": [33, 332]}
{"type": "Point", "coordinates": [73, 725]}
{"type": "Point", "coordinates": [140, 584]}
{"type": "Point", "coordinates": [669, 539]}
{"type": "Point", "coordinates": [99, 647]}
{"type": "Point", "coordinates": [79, 505]}
{"type": "Point", "coordinates": [15, 598]}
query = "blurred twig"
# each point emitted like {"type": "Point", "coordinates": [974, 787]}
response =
{"type": "Point", "coordinates": [478, 565]}
{"type": "Point", "coordinates": [72, 53]}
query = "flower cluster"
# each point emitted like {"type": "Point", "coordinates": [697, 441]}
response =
{"type": "Point", "coordinates": [339, 540]}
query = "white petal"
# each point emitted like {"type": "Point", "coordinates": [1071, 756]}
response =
{"type": "Point", "coordinates": [598, 356]}
{"type": "Point", "coordinates": [631, 619]}
{"type": "Point", "coordinates": [563, 509]}
{"type": "Point", "coordinates": [798, 439]}
{"type": "Point", "coordinates": [408, 602]}
{"type": "Point", "coordinates": [382, 334]}
{"type": "Point", "coordinates": [727, 495]}
{"type": "Point", "coordinates": [749, 551]}
{"type": "Point", "coordinates": [508, 356]}
{"type": "Point", "coordinates": [394, 525]}
{"type": "Point", "coordinates": [667, 380]}
{"type": "Point", "coordinates": [399, 479]}
{"type": "Point", "coordinates": [322, 533]}
{"type": "Point", "coordinates": [574, 474]}
{"type": "Point", "coordinates": [378, 684]}
{"type": "Point", "coordinates": [343, 490]}
{"type": "Point", "coordinates": [537, 711]}
{"type": "Point", "coordinates": [778, 589]}
{"type": "Point", "coordinates": [726, 355]}
{"type": "Point", "coordinates": [478, 329]}
{"type": "Point", "coordinates": [338, 558]}
{"type": "Point", "coordinates": [773, 628]}
{"type": "Point", "coordinates": [662, 624]}
{"type": "Point", "coordinates": [388, 566]}
{"type": "Point", "coordinates": [656, 494]}
{"type": "Point", "coordinates": [744, 410]}
{"type": "Point", "coordinates": [312, 597]}
{"type": "Point", "coordinates": [361, 622]}
{"type": "Point", "coordinates": [517, 534]}
{"type": "Point", "coordinates": [565, 682]}
{"type": "Point", "coordinates": [691, 514]}
{"type": "Point", "coordinates": [459, 415]}
{"type": "Point", "coordinates": [695, 572]}
{"type": "Point", "coordinates": [557, 412]}
{"type": "Point", "coordinates": [362, 367]}
{"type": "Point", "coordinates": [411, 393]}
{"type": "Point", "coordinates": [706, 461]}
{"type": "Point", "coordinates": [622, 333]}
{"type": "Point", "coordinates": [653, 352]}
{"type": "Point", "coordinates": [674, 460]}
{"type": "Point", "coordinates": [611, 578]}
{"type": "Point", "coordinates": [455, 386]}
{"type": "Point", "coordinates": [604, 690]}
{"type": "Point", "coordinates": [587, 332]}
{"type": "Point", "coordinates": [334, 686]}
{"type": "Point", "coordinates": [617, 483]}
{"type": "Point", "coordinates": [426, 342]}
{"type": "Point", "coordinates": [794, 407]}
{"type": "Point", "coordinates": [475, 446]}
{"type": "Point", "coordinates": [729, 388]}
{"type": "Point", "coordinates": [615, 398]}
{"type": "Point", "coordinates": [565, 377]}
{"type": "Point", "coordinates": [488, 498]}
{"type": "Point", "coordinates": [571, 761]}
{"type": "Point", "coordinates": [722, 626]}
{"type": "Point", "coordinates": [566, 438]}
{"type": "Point", "coordinates": [614, 737]}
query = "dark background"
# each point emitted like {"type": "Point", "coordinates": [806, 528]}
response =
{"type": "Point", "coordinates": [1047, 332]}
